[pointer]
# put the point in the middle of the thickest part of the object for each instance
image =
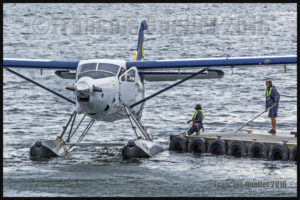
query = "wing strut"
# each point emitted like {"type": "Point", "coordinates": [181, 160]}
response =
{"type": "Point", "coordinates": [40, 85]}
{"type": "Point", "coordinates": [167, 88]}
{"type": "Point", "coordinates": [138, 123]}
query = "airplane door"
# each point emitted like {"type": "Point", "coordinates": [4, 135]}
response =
{"type": "Point", "coordinates": [129, 87]}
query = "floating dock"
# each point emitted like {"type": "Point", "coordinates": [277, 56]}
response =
{"type": "Point", "coordinates": [282, 146]}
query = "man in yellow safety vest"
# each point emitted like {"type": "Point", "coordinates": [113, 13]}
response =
{"type": "Point", "coordinates": [197, 121]}
{"type": "Point", "coordinates": [272, 100]}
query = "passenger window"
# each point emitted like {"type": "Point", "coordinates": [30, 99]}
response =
{"type": "Point", "coordinates": [131, 76]}
{"type": "Point", "coordinates": [128, 76]}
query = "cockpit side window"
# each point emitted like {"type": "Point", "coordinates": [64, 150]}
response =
{"type": "Point", "coordinates": [122, 70]}
{"type": "Point", "coordinates": [123, 77]}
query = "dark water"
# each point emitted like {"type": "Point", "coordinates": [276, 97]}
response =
{"type": "Point", "coordinates": [82, 31]}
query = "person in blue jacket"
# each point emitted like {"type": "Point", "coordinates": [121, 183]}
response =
{"type": "Point", "coordinates": [272, 100]}
{"type": "Point", "coordinates": [197, 121]}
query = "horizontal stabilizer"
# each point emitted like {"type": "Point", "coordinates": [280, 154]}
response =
{"type": "Point", "coordinates": [173, 76]}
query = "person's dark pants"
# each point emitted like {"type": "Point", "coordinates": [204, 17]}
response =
{"type": "Point", "coordinates": [192, 129]}
{"type": "Point", "coordinates": [273, 112]}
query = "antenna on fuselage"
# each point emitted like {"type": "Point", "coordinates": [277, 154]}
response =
{"type": "Point", "coordinates": [140, 47]}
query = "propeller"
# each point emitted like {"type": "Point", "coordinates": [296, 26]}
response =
{"type": "Point", "coordinates": [83, 88]}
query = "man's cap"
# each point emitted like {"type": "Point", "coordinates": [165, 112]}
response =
{"type": "Point", "coordinates": [270, 82]}
{"type": "Point", "coordinates": [198, 106]}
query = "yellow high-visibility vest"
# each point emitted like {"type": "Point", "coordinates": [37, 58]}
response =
{"type": "Point", "coordinates": [269, 93]}
{"type": "Point", "coordinates": [195, 114]}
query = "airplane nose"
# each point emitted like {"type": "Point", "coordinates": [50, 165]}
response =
{"type": "Point", "coordinates": [93, 96]}
{"type": "Point", "coordinates": [83, 89]}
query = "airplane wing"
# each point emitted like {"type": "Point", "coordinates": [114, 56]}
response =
{"type": "Point", "coordinates": [62, 68]}
{"type": "Point", "coordinates": [40, 64]}
{"type": "Point", "coordinates": [147, 65]}
{"type": "Point", "coordinates": [147, 68]}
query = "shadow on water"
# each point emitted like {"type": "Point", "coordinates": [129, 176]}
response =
{"type": "Point", "coordinates": [37, 160]}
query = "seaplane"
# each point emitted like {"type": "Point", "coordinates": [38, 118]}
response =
{"type": "Point", "coordinates": [109, 90]}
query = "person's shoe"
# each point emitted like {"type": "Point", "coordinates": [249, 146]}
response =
{"type": "Point", "coordinates": [187, 134]}
{"type": "Point", "coordinates": [272, 131]}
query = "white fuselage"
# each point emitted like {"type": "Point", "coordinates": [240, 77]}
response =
{"type": "Point", "coordinates": [101, 89]}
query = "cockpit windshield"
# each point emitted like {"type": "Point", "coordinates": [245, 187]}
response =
{"type": "Point", "coordinates": [108, 67]}
{"type": "Point", "coordinates": [87, 67]}
{"type": "Point", "coordinates": [103, 70]}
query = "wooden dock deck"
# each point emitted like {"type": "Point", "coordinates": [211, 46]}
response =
{"type": "Point", "coordinates": [268, 139]}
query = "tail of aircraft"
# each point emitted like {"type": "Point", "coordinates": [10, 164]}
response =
{"type": "Point", "coordinates": [140, 47]}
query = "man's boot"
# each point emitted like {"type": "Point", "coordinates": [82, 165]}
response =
{"type": "Point", "coordinates": [272, 131]}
